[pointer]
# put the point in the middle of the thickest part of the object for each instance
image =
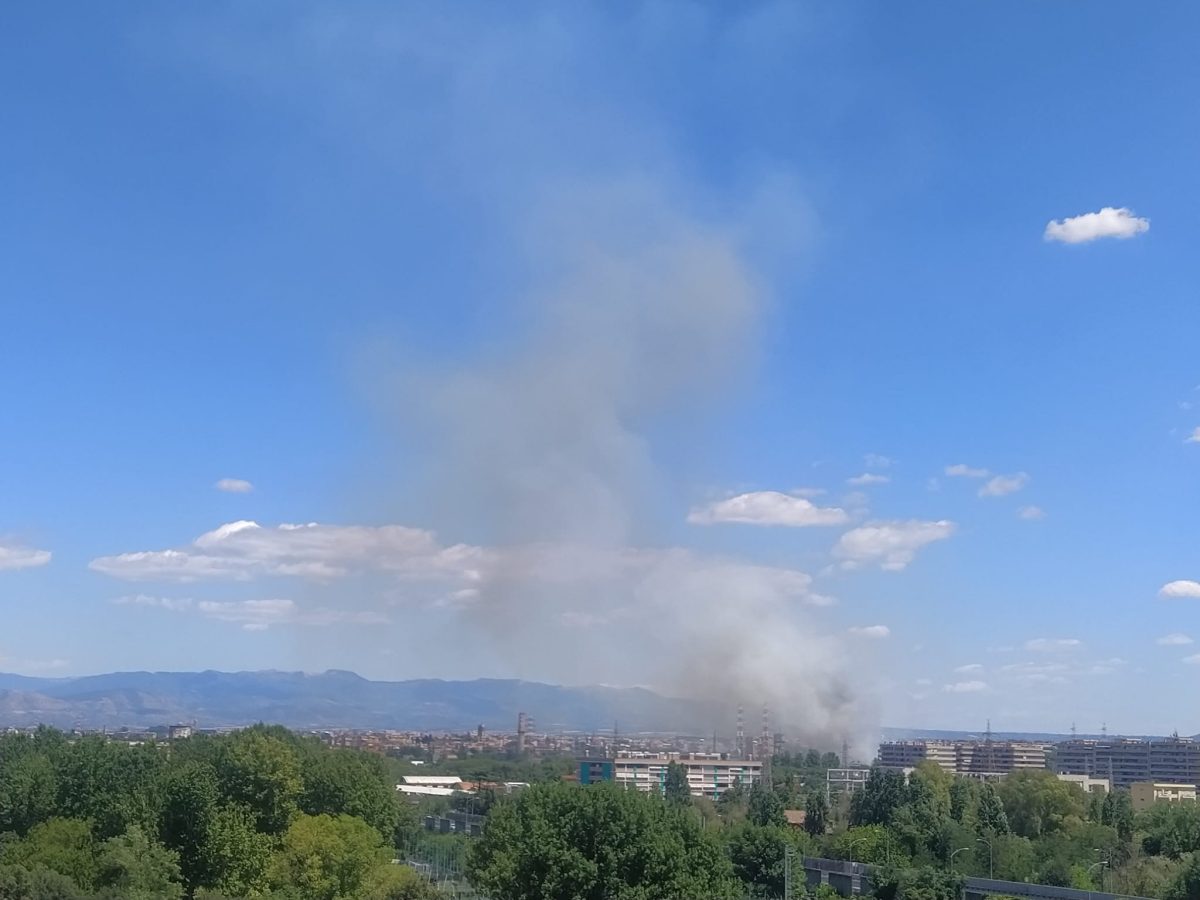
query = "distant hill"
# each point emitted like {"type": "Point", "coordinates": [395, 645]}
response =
{"type": "Point", "coordinates": [335, 699]}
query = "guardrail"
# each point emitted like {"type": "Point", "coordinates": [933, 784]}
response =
{"type": "Point", "coordinates": [971, 886]}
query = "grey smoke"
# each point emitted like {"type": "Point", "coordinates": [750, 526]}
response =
{"type": "Point", "coordinates": [642, 316]}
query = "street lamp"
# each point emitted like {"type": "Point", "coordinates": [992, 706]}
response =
{"type": "Point", "coordinates": [991, 868]}
{"type": "Point", "coordinates": [788, 852]}
{"type": "Point", "coordinates": [954, 854]}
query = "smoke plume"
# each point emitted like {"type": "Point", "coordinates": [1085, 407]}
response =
{"type": "Point", "coordinates": [642, 316]}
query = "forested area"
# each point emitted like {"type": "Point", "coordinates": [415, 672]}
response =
{"type": "Point", "coordinates": [265, 813]}
{"type": "Point", "coordinates": [257, 813]}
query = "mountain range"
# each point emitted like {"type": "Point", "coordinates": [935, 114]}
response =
{"type": "Point", "coordinates": [336, 699]}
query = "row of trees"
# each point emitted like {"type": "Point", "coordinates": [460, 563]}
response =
{"type": "Point", "coordinates": [261, 812]}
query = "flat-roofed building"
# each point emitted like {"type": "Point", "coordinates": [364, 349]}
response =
{"type": "Point", "coordinates": [1145, 794]}
{"type": "Point", "coordinates": [848, 780]}
{"type": "Point", "coordinates": [708, 774]}
{"type": "Point", "coordinates": [986, 760]}
{"type": "Point", "coordinates": [1125, 761]}
{"type": "Point", "coordinates": [1089, 784]}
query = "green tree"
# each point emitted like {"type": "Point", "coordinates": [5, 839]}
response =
{"type": "Point", "coordinates": [874, 844]}
{"type": "Point", "coordinates": [328, 857]}
{"type": "Point", "coordinates": [20, 883]}
{"type": "Point", "coordinates": [879, 798]}
{"type": "Point", "coordinates": [346, 781]}
{"type": "Point", "coordinates": [757, 855]}
{"type": "Point", "coordinates": [260, 770]}
{"type": "Point", "coordinates": [1036, 802]}
{"type": "Point", "coordinates": [111, 785]}
{"type": "Point", "coordinates": [816, 813]}
{"type": "Point", "coordinates": [964, 801]}
{"type": "Point", "coordinates": [596, 843]}
{"type": "Point", "coordinates": [1186, 885]}
{"type": "Point", "coordinates": [765, 807]}
{"type": "Point", "coordinates": [137, 868]}
{"type": "Point", "coordinates": [64, 846]}
{"type": "Point", "coordinates": [28, 789]}
{"type": "Point", "coordinates": [1170, 829]}
{"type": "Point", "coordinates": [991, 817]}
{"type": "Point", "coordinates": [676, 788]}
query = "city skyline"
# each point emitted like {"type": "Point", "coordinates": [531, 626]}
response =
{"type": "Point", "coordinates": [827, 354]}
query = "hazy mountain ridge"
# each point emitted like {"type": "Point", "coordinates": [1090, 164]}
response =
{"type": "Point", "coordinates": [335, 699]}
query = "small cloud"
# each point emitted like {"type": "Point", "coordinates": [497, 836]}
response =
{"type": "Point", "coordinates": [1193, 660]}
{"type": "Point", "coordinates": [1194, 437]}
{"type": "Point", "coordinates": [16, 556]}
{"type": "Point", "coordinates": [1004, 484]}
{"type": "Point", "coordinates": [1031, 513]}
{"type": "Point", "coordinates": [1111, 222]}
{"type": "Point", "coordinates": [819, 600]}
{"type": "Point", "coordinates": [962, 470]}
{"type": "Point", "coordinates": [1046, 645]}
{"type": "Point", "coordinates": [768, 508]}
{"type": "Point", "coordinates": [891, 544]}
{"type": "Point", "coordinates": [175, 604]}
{"type": "Point", "coordinates": [923, 682]}
{"type": "Point", "coordinates": [234, 486]}
{"type": "Point", "coordinates": [969, 667]}
{"type": "Point", "coordinates": [1175, 639]}
{"type": "Point", "coordinates": [868, 478]}
{"type": "Point", "coordinates": [1182, 588]}
{"type": "Point", "coordinates": [870, 631]}
{"type": "Point", "coordinates": [877, 461]}
{"type": "Point", "coordinates": [965, 687]}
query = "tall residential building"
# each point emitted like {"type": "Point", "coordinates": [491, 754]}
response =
{"type": "Point", "coordinates": [1128, 760]}
{"type": "Point", "coordinates": [978, 759]}
{"type": "Point", "coordinates": [708, 774]}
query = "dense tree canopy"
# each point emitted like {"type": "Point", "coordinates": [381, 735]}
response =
{"type": "Point", "coordinates": [597, 843]}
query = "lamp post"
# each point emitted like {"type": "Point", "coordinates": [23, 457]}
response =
{"type": "Point", "coordinates": [991, 868]}
{"type": "Point", "coordinates": [954, 854]}
{"type": "Point", "coordinates": [787, 873]}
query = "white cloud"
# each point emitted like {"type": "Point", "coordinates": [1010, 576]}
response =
{"type": "Point", "coordinates": [175, 604]}
{"type": "Point", "coordinates": [870, 631]}
{"type": "Point", "coordinates": [965, 687]}
{"type": "Point", "coordinates": [1004, 484]}
{"type": "Point", "coordinates": [768, 508]}
{"type": "Point", "coordinates": [255, 615]}
{"type": "Point", "coordinates": [809, 492]}
{"type": "Point", "coordinates": [1182, 588]}
{"type": "Point", "coordinates": [962, 470]}
{"type": "Point", "coordinates": [1031, 513]}
{"type": "Point", "coordinates": [1046, 645]}
{"type": "Point", "coordinates": [877, 461]}
{"type": "Point", "coordinates": [891, 544]}
{"type": "Point", "coordinates": [1193, 660]}
{"type": "Point", "coordinates": [245, 550]}
{"type": "Point", "coordinates": [1175, 639]}
{"type": "Point", "coordinates": [969, 667]}
{"type": "Point", "coordinates": [1109, 222]}
{"type": "Point", "coordinates": [17, 664]}
{"type": "Point", "coordinates": [923, 682]}
{"type": "Point", "coordinates": [868, 478]}
{"type": "Point", "coordinates": [14, 556]}
{"type": "Point", "coordinates": [234, 486]}
{"type": "Point", "coordinates": [1194, 437]}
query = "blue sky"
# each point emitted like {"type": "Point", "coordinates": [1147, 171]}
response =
{"type": "Point", "coordinates": [502, 299]}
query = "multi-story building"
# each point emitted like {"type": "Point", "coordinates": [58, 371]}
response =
{"type": "Point", "coordinates": [1125, 761]}
{"type": "Point", "coordinates": [1145, 794]}
{"type": "Point", "coordinates": [845, 781]}
{"type": "Point", "coordinates": [708, 774]}
{"type": "Point", "coordinates": [973, 759]}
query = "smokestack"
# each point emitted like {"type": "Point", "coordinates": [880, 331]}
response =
{"type": "Point", "coordinates": [739, 745]}
{"type": "Point", "coordinates": [522, 726]}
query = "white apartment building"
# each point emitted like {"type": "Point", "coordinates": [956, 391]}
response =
{"type": "Point", "coordinates": [972, 759]}
{"type": "Point", "coordinates": [708, 774]}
